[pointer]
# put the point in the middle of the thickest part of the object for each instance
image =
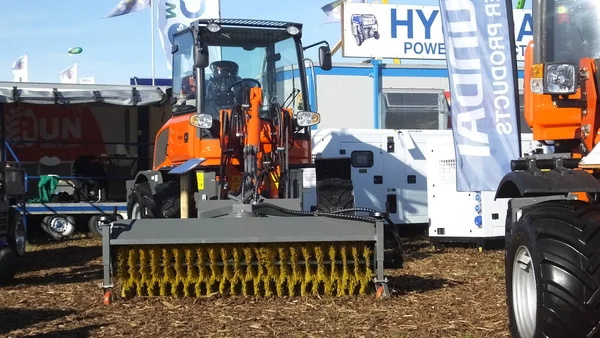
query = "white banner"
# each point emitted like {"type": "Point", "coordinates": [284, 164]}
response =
{"type": "Point", "coordinates": [174, 15]}
{"type": "Point", "coordinates": [408, 31]}
{"type": "Point", "coordinates": [20, 69]}
{"type": "Point", "coordinates": [69, 75]}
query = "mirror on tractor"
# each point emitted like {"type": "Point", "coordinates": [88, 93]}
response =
{"type": "Point", "coordinates": [200, 56]}
{"type": "Point", "coordinates": [325, 58]}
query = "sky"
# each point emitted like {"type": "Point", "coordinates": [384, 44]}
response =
{"type": "Point", "coordinates": [118, 48]}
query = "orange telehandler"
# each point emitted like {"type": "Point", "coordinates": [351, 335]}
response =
{"type": "Point", "coordinates": [224, 208]}
{"type": "Point", "coordinates": [553, 222]}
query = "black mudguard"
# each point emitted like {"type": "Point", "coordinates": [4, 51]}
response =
{"type": "Point", "coordinates": [555, 180]}
{"type": "Point", "coordinates": [151, 176]}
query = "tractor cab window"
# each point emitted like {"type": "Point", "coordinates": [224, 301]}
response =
{"type": "Point", "coordinates": [571, 30]}
{"type": "Point", "coordinates": [238, 58]}
{"type": "Point", "coordinates": [184, 88]}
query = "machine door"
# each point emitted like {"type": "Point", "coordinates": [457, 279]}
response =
{"type": "Point", "coordinates": [414, 192]}
{"type": "Point", "coordinates": [367, 173]}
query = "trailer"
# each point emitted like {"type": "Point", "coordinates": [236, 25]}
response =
{"type": "Point", "coordinates": [78, 144]}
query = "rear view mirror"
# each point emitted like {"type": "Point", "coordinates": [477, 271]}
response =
{"type": "Point", "coordinates": [325, 57]}
{"type": "Point", "coordinates": [200, 56]}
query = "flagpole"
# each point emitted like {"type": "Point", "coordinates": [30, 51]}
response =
{"type": "Point", "coordinates": [152, 27]}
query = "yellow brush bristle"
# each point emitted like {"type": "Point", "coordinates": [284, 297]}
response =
{"type": "Point", "coordinates": [254, 270]}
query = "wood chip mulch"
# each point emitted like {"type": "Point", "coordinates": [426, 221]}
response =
{"type": "Point", "coordinates": [454, 292]}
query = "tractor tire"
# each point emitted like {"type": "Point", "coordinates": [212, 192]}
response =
{"type": "Point", "coordinates": [553, 271]}
{"type": "Point", "coordinates": [334, 194]}
{"type": "Point", "coordinates": [17, 234]}
{"type": "Point", "coordinates": [166, 200]}
{"type": "Point", "coordinates": [8, 265]}
{"type": "Point", "coordinates": [141, 202]}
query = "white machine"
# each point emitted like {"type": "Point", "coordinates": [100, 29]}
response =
{"type": "Point", "coordinates": [387, 166]}
{"type": "Point", "coordinates": [392, 166]}
{"type": "Point", "coordinates": [472, 217]}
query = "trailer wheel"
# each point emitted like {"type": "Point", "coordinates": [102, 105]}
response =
{"type": "Point", "coordinates": [141, 202]}
{"type": "Point", "coordinates": [553, 271]}
{"type": "Point", "coordinates": [166, 200]}
{"type": "Point", "coordinates": [17, 235]}
{"type": "Point", "coordinates": [8, 265]}
{"type": "Point", "coordinates": [334, 194]}
{"type": "Point", "coordinates": [59, 226]}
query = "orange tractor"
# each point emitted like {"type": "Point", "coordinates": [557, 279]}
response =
{"type": "Point", "coordinates": [553, 223]}
{"type": "Point", "coordinates": [227, 206]}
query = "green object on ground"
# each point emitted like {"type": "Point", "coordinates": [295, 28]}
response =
{"type": "Point", "coordinates": [46, 187]}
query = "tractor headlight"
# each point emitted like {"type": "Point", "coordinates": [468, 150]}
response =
{"type": "Point", "coordinates": [560, 78]}
{"type": "Point", "coordinates": [292, 30]}
{"type": "Point", "coordinates": [307, 118]}
{"type": "Point", "coordinates": [203, 121]}
{"type": "Point", "coordinates": [213, 27]}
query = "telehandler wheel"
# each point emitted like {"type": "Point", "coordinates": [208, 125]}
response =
{"type": "Point", "coordinates": [334, 194]}
{"type": "Point", "coordinates": [141, 203]}
{"type": "Point", "coordinates": [8, 265]}
{"type": "Point", "coordinates": [553, 271]}
{"type": "Point", "coordinates": [166, 200]}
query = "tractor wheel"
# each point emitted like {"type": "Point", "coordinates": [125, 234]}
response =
{"type": "Point", "coordinates": [166, 200]}
{"type": "Point", "coordinates": [376, 35]}
{"type": "Point", "coordinates": [141, 202]}
{"type": "Point", "coordinates": [553, 271]}
{"type": "Point", "coordinates": [17, 235]}
{"type": "Point", "coordinates": [334, 194]}
{"type": "Point", "coordinates": [8, 265]}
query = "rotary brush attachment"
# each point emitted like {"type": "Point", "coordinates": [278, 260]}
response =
{"type": "Point", "coordinates": [294, 269]}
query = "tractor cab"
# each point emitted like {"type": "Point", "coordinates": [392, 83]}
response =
{"type": "Point", "coordinates": [217, 63]}
{"type": "Point", "coordinates": [233, 55]}
{"type": "Point", "coordinates": [559, 60]}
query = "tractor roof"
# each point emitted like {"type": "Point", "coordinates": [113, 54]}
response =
{"type": "Point", "coordinates": [249, 23]}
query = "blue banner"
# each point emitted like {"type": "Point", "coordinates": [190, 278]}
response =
{"type": "Point", "coordinates": [482, 73]}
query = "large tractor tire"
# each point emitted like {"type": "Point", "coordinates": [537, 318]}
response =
{"type": "Point", "coordinates": [166, 200]}
{"type": "Point", "coordinates": [553, 271]}
{"type": "Point", "coordinates": [141, 202]}
{"type": "Point", "coordinates": [334, 194]}
{"type": "Point", "coordinates": [8, 265]}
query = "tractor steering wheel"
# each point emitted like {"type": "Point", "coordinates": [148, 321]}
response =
{"type": "Point", "coordinates": [243, 80]}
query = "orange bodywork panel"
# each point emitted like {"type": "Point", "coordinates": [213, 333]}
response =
{"type": "Point", "coordinates": [547, 121]}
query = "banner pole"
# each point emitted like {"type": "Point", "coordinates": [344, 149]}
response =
{"type": "Point", "coordinates": [152, 7]}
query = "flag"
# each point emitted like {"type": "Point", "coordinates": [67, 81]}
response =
{"type": "Point", "coordinates": [332, 10]}
{"type": "Point", "coordinates": [69, 75]}
{"type": "Point", "coordinates": [128, 6]}
{"type": "Point", "coordinates": [482, 73]}
{"type": "Point", "coordinates": [20, 69]}
{"type": "Point", "coordinates": [175, 17]}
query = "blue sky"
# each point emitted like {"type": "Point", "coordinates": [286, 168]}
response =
{"type": "Point", "coordinates": [119, 48]}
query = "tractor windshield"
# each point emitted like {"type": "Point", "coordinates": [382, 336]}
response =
{"type": "Point", "coordinates": [571, 30]}
{"type": "Point", "coordinates": [248, 56]}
